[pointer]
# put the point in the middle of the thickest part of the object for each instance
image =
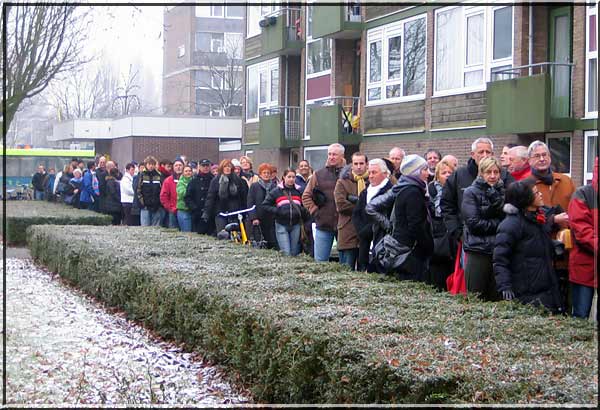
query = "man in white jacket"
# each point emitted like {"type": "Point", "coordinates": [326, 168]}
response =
{"type": "Point", "coordinates": [127, 193]}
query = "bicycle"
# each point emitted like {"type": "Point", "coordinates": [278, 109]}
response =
{"type": "Point", "coordinates": [236, 231]}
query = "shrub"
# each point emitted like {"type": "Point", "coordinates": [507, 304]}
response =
{"type": "Point", "coordinates": [21, 214]}
{"type": "Point", "coordinates": [297, 331]}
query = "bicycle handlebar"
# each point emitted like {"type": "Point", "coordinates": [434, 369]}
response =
{"type": "Point", "coordinates": [243, 211]}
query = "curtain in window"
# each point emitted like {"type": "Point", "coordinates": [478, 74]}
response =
{"type": "Point", "coordinates": [449, 66]}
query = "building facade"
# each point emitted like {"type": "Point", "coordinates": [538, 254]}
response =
{"type": "Point", "coordinates": [376, 76]}
{"type": "Point", "coordinates": [202, 64]}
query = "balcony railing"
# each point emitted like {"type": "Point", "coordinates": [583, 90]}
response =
{"type": "Point", "coordinates": [348, 112]}
{"type": "Point", "coordinates": [291, 120]}
{"type": "Point", "coordinates": [291, 19]}
{"type": "Point", "coordinates": [561, 91]}
{"type": "Point", "coordinates": [353, 13]}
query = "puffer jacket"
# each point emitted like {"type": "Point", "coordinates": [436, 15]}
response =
{"type": "Point", "coordinates": [112, 195]}
{"type": "Point", "coordinates": [452, 195]}
{"type": "Point", "coordinates": [482, 213]}
{"type": "Point", "coordinates": [148, 190]}
{"type": "Point", "coordinates": [127, 189]}
{"type": "Point", "coordinates": [181, 188]}
{"type": "Point", "coordinates": [285, 204]}
{"type": "Point", "coordinates": [523, 257]}
{"type": "Point", "coordinates": [364, 226]}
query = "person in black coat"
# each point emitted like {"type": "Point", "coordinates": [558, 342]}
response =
{"type": "Point", "coordinates": [482, 213]}
{"type": "Point", "coordinates": [195, 198]}
{"type": "Point", "coordinates": [112, 196]}
{"type": "Point", "coordinates": [461, 179]}
{"type": "Point", "coordinates": [524, 252]}
{"type": "Point", "coordinates": [379, 184]}
{"type": "Point", "coordinates": [227, 193]}
{"type": "Point", "coordinates": [262, 222]}
{"type": "Point", "coordinates": [410, 223]}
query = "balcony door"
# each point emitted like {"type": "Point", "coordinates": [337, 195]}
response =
{"type": "Point", "coordinates": [560, 52]}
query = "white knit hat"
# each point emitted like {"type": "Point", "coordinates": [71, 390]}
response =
{"type": "Point", "coordinates": [412, 165]}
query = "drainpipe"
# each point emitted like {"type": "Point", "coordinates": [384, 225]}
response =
{"type": "Point", "coordinates": [530, 39]}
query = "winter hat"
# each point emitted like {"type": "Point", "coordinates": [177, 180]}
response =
{"type": "Point", "coordinates": [412, 165]}
{"type": "Point", "coordinates": [76, 170]}
{"type": "Point", "coordinates": [236, 162]}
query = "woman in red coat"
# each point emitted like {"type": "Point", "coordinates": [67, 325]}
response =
{"type": "Point", "coordinates": [583, 220]}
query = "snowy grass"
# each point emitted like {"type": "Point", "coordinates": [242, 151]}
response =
{"type": "Point", "coordinates": [21, 214]}
{"type": "Point", "coordinates": [300, 332]}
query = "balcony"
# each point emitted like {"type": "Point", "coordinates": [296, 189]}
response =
{"type": "Point", "coordinates": [281, 32]}
{"type": "Point", "coordinates": [279, 127]}
{"type": "Point", "coordinates": [342, 21]}
{"type": "Point", "coordinates": [335, 120]}
{"type": "Point", "coordinates": [530, 99]}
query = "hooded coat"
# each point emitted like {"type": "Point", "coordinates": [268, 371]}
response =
{"type": "Point", "coordinates": [583, 220]}
{"type": "Point", "coordinates": [523, 257]}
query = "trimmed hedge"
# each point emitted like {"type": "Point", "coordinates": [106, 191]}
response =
{"type": "Point", "coordinates": [296, 331]}
{"type": "Point", "coordinates": [21, 214]}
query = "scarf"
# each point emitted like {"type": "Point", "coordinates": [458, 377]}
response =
{"type": "Point", "coordinates": [223, 185]}
{"type": "Point", "coordinates": [373, 190]}
{"type": "Point", "coordinates": [267, 185]}
{"type": "Point", "coordinates": [360, 181]}
{"type": "Point", "coordinates": [521, 173]}
{"type": "Point", "coordinates": [438, 198]}
{"type": "Point", "coordinates": [415, 181]}
{"type": "Point", "coordinates": [546, 177]}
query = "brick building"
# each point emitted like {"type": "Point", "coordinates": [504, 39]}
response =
{"type": "Point", "coordinates": [376, 76]}
{"type": "Point", "coordinates": [202, 60]}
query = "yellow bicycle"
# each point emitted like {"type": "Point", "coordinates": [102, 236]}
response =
{"type": "Point", "coordinates": [236, 231]}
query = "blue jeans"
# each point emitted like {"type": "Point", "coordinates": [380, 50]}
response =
{"type": "Point", "coordinates": [288, 238]}
{"type": "Point", "coordinates": [582, 297]}
{"type": "Point", "coordinates": [348, 257]}
{"type": "Point", "coordinates": [323, 243]}
{"type": "Point", "coordinates": [38, 195]}
{"type": "Point", "coordinates": [150, 218]}
{"type": "Point", "coordinates": [184, 219]}
{"type": "Point", "coordinates": [172, 220]}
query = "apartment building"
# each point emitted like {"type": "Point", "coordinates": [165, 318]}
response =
{"type": "Point", "coordinates": [376, 76]}
{"type": "Point", "coordinates": [202, 64]}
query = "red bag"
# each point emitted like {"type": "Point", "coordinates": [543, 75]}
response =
{"type": "Point", "coordinates": [456, 281]}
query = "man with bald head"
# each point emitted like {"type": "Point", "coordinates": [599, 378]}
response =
{"type": "Point", "coordinates": [518, 162]}
{"type": "Point", "coordinates": [396, 156]}
{"type": "Point", "coordinates": [451, 159]}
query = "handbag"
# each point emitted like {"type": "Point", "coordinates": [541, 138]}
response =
{"type": "Point", "coordinates": [393, 256]}
{"type": "Point", "coordinates": [456, 281]}
{"type": "Point", "coordinates": [442, 249]}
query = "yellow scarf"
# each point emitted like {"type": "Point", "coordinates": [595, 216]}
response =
{"type": "Point", "coordinates": [360, 181]}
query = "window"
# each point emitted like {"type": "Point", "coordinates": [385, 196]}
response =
{"type": "Point", "coordinates": [591, 68]}
{"type": "Point", "coordinates": [471, 43]}
{"type": "Point", "coordinates": [180, 51]}
{"type": "Point", "coordinates": [234, 11]}
{"type": "Point", "coordinates": [396, 61]}
{"type": "Point", "coordinates": [216, 10]}
{"type": "Point", "coordinates": [262, 88]}
{"type": "Point", "coordinates": [234, 45]}
{"type": "Point", "coordinates": [202, 78]}
{"type": "Point", "coordinates": [318, 56]}
{"type": "Point", "coordinates": [560, 151]}
{"type": "Point", "coordinates": [254, 14]}
{"type": "Point", "coordinates": [590, 152]}
{"type": "Point", "coordinates": [316, 156]}
{"type": "Point", "coordinates": [216, 80]}
{"type": "Point", "coordinates": [209, 42]}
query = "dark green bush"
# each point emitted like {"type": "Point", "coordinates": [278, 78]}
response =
{"type": "Point", "coordinates": [303, 332]}
{"type": "Point", "coordinates": [21, 214]}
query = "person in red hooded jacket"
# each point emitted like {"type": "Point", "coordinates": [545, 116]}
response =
{"type": "Point", "coordinates": [583, 219]}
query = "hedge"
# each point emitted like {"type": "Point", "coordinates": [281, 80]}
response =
{"type": "Point", "coordinates": [21, 214]}
{"type": "Point", "coordinates": [296, 331]}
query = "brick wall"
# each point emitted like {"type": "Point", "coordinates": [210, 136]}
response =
{"type": "Point", "coordinates": [179, 94]}
{"type": "Point", "coordinates": [170, 148]}
{"type": "Point", "coordinates": [578, 74]}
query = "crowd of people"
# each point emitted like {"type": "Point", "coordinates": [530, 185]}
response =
{"type": "Point", "coordinates": [504, 228]}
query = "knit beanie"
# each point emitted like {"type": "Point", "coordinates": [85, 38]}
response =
{"type": "Point", "coordinates": [412, 165]}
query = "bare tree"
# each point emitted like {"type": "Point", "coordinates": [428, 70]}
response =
{"type": "Point", "coordinates": [42, 41]}
{"type": "Point", "coordinates": [222, 79]}
{"type": "Point", "coordinates": [126, 100]}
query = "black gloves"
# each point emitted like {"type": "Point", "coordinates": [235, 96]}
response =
{"type": "Point", "coordinates": [508, 294]}
{"type": "Point", "coordinates": [204, 217]}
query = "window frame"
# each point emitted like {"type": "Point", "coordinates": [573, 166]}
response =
{"type": "Point", "coordinates": [587, 176]}
{"type": "Point", "coordinates": [310, 40]}
{"type": "Point", "coordinates": [259, 7]}
{"type": "Point", "coordinates": [590, 55]}
{"type": "Point", "coordinates": [562, 135]}
{"type": "Point", "coordinates": [181, 51]}
{"type": "Point", "coordinates": [488, 62]}
{"type": "Point", "coordinates": [306, 113]}
{"type": "Point", "coordinates": [212, 10]}
{"type": "Point", "coordinates": [315, 148]}
{"type": "Point", "coordinates": [383, 34]}
{"type": "Point", "coordinates": [226, 14]}
{"type": "Point", "coordinates": [266, 67]}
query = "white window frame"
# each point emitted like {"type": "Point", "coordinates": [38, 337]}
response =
{"type": "Point", "coordinates": [488, 43]}
{"type": "Point", "coordinates": [181, 51]}
{"type": "Point", "coordinates": [212, 10]}
{"type": "Point", "coordinates": [590, 11]}
{"type": "Point", "coordinates": [229, 40]}
{"type": "Point", "coordinates": [232, 17]}
{"type": "Point", "coordinates": [316, 148]}
{"type": "Point", "coordinates": [384, 34]}
{"type": "Point", "coordinates": [309, 40]}
{"type": "Point", "coordinates": [563, 135]}
{"type": "Point", "coordinates": [265, 67]}
{"type": "Point", "coordinates": [306, 112]}
{"type": "Point", "coordinates": [214, 47]}
{"type": "Point", "coordinates": [587, 176]}
{"type": "Point", "coordinates": [213, 76]}
{"type": "Point", "coordinates": [252, 31]}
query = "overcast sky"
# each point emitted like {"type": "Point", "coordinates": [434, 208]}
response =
{"type": "Point", "coordinates": [131, 35]}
